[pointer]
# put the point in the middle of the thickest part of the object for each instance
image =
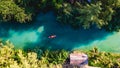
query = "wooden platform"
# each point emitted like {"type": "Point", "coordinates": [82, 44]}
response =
{"type": "Point", "coordinates": [77, 59]}
{"type": "Point", "coordinates": [75, 66]}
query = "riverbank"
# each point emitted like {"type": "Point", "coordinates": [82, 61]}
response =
{"type": "Point", "coordinates": [37, 58]}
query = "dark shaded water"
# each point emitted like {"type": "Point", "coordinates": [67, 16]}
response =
{"type": "Point", "coordinates": [36, 34]}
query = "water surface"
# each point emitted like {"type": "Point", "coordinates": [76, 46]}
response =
{"type": "Point", "coordinates": [36, 34]}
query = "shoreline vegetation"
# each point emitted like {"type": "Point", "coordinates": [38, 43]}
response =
{"type": "Point", "coordinates": [76, 13]}
{"type": "Point", "coordinates": [36, 58]}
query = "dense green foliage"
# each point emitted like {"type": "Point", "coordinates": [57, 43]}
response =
{"type": "Point", "coordinates": [10, 11]}
{"type": "Point", "coordinates": [17, 58]}
{"type": "Point", "coordinates": [50, 56]}
{"type": "Point", "coordinates": [103, 59]}
{"type": "Point", "coordinates": [79, 15]}
{"type": "Point", "coordinates": [103, 14]}
{"type": "Point", "coordinates": [99, 13]}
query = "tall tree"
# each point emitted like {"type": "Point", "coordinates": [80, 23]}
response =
{"type": "Point", "coordinates": [9, 11]}
{"type": "Point", "coordinates": [98, 12]}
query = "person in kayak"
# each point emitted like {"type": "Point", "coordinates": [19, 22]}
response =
{"type": "Point", "coordinates": [52, 36]}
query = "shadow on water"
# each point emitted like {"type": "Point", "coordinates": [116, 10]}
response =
{"type": "Point", "coordinates": [36, 33]}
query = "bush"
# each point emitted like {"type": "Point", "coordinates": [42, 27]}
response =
{"type": "Point", "coordinates": [103, 59]}
{"type": "Point", "coordinates": [13, 58]}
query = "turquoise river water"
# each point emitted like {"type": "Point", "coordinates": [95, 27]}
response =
{"type": "Point", "coordinates": [36, 34]}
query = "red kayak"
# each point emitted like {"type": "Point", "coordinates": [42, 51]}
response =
{"type": "Point", "coordinates": [52, 36]}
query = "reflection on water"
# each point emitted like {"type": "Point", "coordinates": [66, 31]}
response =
{"type": "Point", "coordinates": [37, 33]}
